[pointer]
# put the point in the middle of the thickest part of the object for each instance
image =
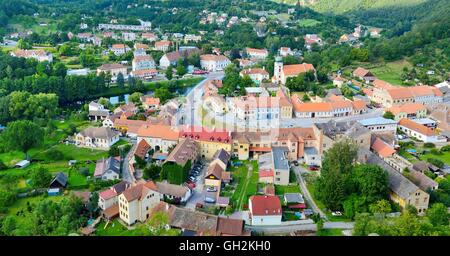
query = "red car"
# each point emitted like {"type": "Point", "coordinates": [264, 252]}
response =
{"type": "Point", "coordinates": [313, 168]}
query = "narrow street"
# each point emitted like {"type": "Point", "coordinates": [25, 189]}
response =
{"type": "Point", "coordinates": [126, 172]}
{"type": "Point", "coordinates": [298, 173]}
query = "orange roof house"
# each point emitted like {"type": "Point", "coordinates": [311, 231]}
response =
{"type": "Point", "coordinates": [382, 148]}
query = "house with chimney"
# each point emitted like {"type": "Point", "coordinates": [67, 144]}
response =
{"type": "Point", "coordinates": [264, 210]}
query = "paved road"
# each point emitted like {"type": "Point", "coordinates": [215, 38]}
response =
{"type": "Point", "coordinates": [126, 173]}
{"type": "Point", "coordinates": [300, 227]}
{"type": "Point", "coordinates": [298, 170]}
{"type": "Point", "coordinates": [197, 193]}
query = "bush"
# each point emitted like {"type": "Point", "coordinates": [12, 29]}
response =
{"type": "Point", "coordinates": [435, 152]}
{"type": "Point", "coordinates": [3, 165]}
{"type": "Point", "coordinates": [54, 154]}
{"type": "Point", "coordinates": [435, 162]}
{"type": "Point", "coordinates": [429, 145]}
{"type": "Point", "coordinates": [445, 148]}
{"type": "Point", "coordinates": [84, 171]}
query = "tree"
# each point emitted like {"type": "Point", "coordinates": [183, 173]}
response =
{"type": "Point", "coordinates": [163, 94]}
{"type": "Point", "coordinates": [381, 206]}
{"type": "Point", "coordinates": [388, 115]}
{"type": "Point", "coordinates": [120, 81]}
{"type": "Point", "coordinates": [40, 178]}
{"type": "Point", "coordinates": [22, 135]}
{"type": "Point", "coordinates": [92, 205]}
{"type": "Point", "coordinates": [181, 70]}
{"type": "Point", "coordinates": [334, 180]}
{"type": "Point", "coordinates": [169, 72]}
{"type": "Point", "coordinates": [22, 44]}
{"type": "Point", "coordinates": [9, 225]}
{"type": "Point", "coordinates": [438, 215]}
{"type": "Point", "coordinates": [3, 165]}
{"type": "Point", "coordinates": [135, 97]}
{"type": "Point", "coordinates": [152, 172]}
{"type": "Point", "coordinates": [371, 182]}
{"type": "Point", "coordinates": [54, 154]}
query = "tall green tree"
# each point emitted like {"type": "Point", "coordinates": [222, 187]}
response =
{"type": "Point", "coordinates": [22, 135]}
{"type": "Point", "coordinates": [40, 177]}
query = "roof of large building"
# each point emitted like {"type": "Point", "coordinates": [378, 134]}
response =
{"type": "Point", "coordinates": [405, 122]}
{"type": "Point", "coordinates": [165, 132]}
{"type": "Point", "coordinates": [99, 132]}
{"type": "Point", "coordinates": [213, 57]}
{"type": "Point", "coordinates": [216, 170]}
{"type": "Point", "coordinates": [256, 51]}
{"type": "Point", "coordinates": [279, 158]}
{"type": "Point", "coordinates": [382, 148]}
{"type": "Point", "coordinates": [295, 69]}
{"type": "Point", "coordinates": [142, 149]}
{"type": "Point", "coordinates": [350, 129]}
{"type": "Point", "coordinates": [223, 156]}
{"type": "Point", "coordinates": [422, 181]}
{"type": "Point", "coordinates": [361, 72]}
{"type": "Point", "coordinates": [111, 66]}
{"type": "Point", "coordinates": [140, 58]}
{"type": "Point", "coordinates": [376, 121]}
{"type": "Point", "coordinates": [265, 205]}
{"type": "Point", "coordinates": [183, 152]}
{"type": "Point", "coordinates": [107, 164]}
{"type": "Point", "coordinates": [408, 108]}
{"type": "Point", "coordinates": [132, 126]}
{"type": "Point", "coordinates": [202, 134]}
{"type": "Point", "coordinates": [139, 191]}
{"type": "Point", "coordinates": [382, 84]}
{"type": "Point", "coordinates": [171, 189]}
{"type": "Point", "coordinates": [398, 183]}
{"type": "Point", "coordinates": [228, 226]}
{"type": "Point", "coordinates": [254, 71]}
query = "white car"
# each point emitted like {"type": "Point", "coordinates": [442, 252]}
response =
{"type": "Point", "coordinates": [336, 213]}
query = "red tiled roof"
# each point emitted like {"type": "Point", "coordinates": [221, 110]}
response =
{"type": "Point", "coordinates": [293, 70]}
{"type": "Point", "coordinates": [382, 148]}
{"type": "Point", "coordinates": [200, 133]}
{"type": "Point", "coordinates": [417, 127]}
{"type": "Point", "coordinates": [265, 205]}
{"type": "Point", "coordinates": [107, 194]}
{"type": "Point", "coordinates": [158, 131]}
{"type": "Point", "coordinates": [265, 173]}
{"type": "Point", "coordinates": [142, 148]}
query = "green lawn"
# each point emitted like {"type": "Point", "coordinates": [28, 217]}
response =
{"type": "Point", "coordinates": [114, 228]}
{"type": "Point", "coordinates": [281, 190]}
{"type": "Point", "coordinates": [12, 157]}
{"type": "Point", "coordinates": [391, 71]}
{"type": "Point", "coordinates": [20, 205]}
{"type": "Point", "coordinates": [330, 232]}
{"type": "Point", "coordinates": [445, 157]}
{"type": "Point", "coordinates": [308, 22]}
{"type": "Point", "coordinates": [247, 183]}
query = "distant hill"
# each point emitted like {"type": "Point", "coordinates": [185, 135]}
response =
{"type": "Point", "coordinates": [342, 6]}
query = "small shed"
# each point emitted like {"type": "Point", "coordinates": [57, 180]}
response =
{"type": "Point", "coordinates": [293, 198]}
{"type": "Point", "coordinates": [22, 164]}
{"type": "Point", "coordinates": [53, 191]}
{"type": "Point", "coordinates": [60, 181]}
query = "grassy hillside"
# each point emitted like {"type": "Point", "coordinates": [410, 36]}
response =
{"type": "Point", "coordinates": [342, 6]}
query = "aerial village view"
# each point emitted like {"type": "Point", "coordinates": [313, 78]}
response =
{"type": "Point", "coordinates": [224, 118]}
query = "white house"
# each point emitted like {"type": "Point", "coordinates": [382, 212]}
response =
{"type": "Point", "coordinates": [419, 131]}
{"type": "Point", "coordinates": [96, 137]}
{"type": "Point", "coordinates": [107, 169]}
{"type": "Point", "coordinates": [136, 203]}
{"type": "Point", "coordinates": [211, 62]}
{"type": "Point", "coordinates": [379, 124]}
{"type": "Point", "coordinates": [143, 62]}
{"type": "Point", "coordinates": [264, 210]}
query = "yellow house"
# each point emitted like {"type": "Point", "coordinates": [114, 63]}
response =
{"type": "Point", "coordinates": [136, 202]}
{"type": "Point", "coordinates": [409, 110]}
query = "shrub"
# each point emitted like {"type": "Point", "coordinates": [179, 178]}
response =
{"type": "Point", "coordinates": [435, 162]}
{"type": "Point", "coordinates": [429, 145]}
{"type": "Point", "coordinates": [54, 154]}
{"type": "Point", "coordinates": [435, 152]}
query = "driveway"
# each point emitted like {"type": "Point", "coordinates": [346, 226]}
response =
{"type": "Point", "coordinates": [198, 193]}
{"type": "Point", "coordinates": [298, 170]}
{"type": "Point", "coordinates": [126, 172]}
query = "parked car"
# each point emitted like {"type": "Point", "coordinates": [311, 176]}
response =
{"type": "Point", "coordinates": [210, 200]}
{"type": "Point", "coordinates": [211, 189]}
{"type": "Point", "coordinates": [295, 163]}
{"type": "Point", "coordinates": [337, 213]}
